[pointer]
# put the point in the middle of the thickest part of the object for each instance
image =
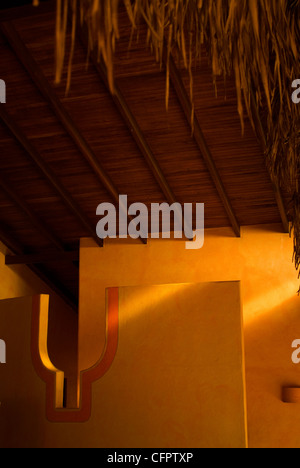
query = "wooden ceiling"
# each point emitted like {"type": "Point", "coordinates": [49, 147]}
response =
{"type": "Point", "coordinates": [61, 155]}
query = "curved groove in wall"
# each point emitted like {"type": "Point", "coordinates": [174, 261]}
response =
{"type": "Point", "coordinates": [54, 378]}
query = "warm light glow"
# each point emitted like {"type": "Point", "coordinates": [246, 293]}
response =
{"type": "Point", "coordinates": [143, 297]}
{"type": "Point", "coordinates": [43, 350]}
{"type": "Point", "coordinates": [266, 301]}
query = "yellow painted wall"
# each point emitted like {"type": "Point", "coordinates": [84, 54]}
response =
{"type": "Point", "coordinates": [20, 281]}
{"type": "Point", "coordinates": [21, 410]}
{"type": "Point", "coordinates": [23, 421]}
{"type": "Point", "coordinates": [178, 376]}
{"type": "Point", "coordinates": [173, 383]}
{"type": "Point", "coordinates": [262, 261]}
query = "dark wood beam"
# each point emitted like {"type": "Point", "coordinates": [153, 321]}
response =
{"type": "Point", "coordinates": [202, 144]}
{"type": "Point", "coordinates": [40, 226]}
{"type": "Point", "coordinates": [47, 172]}
{"type": "Point", "coordinates": [130, 121]}
{"type": "Point", "coordinates": [36, 222]}
{"type": "Point", "coordinates": [59, 110]}
{"type": "Point", "coordinates": [128, 117]}
{"type": "Point", "coordinates": [42, 258]}
{"type": "Point", "coordinates": [14, 246]}
{"type": "Point", "coordinates": [56, 287]}
{"type": "Point", "coordinates": [48, 93]}
{"type": "Point", "coordinates": [7, 239]}
{"type": "Point", "coordinates": [263, 141]}
{"type": "Point", "coordinates": [135, 131]}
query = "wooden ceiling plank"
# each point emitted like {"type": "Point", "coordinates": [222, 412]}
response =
{"type": "Point", "coordinates": [202, 144]}
{"type": "Point", "coordinates": [50, 176]}
{"type": "Point", "coordinates": [263, 141]}
{"type": "Point", "coordinates": [59, 110]}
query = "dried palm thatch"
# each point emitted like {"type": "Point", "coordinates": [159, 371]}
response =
{"type": "Point", "coordinates": [257, 41]}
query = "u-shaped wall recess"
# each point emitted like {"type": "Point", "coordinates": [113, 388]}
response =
{"type": "Point", "coordinates": [54, 378]}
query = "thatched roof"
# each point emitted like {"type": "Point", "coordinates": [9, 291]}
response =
{"type": "Point", "coordinates": [256, 40]}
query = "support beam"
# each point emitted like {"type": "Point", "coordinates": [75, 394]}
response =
{"type": "Point", "coordinates": [56, 287]}
{"type": "Point", "coordinates": [39, 225]}
{"type": "Point", "coordinates": [42, 258]}
{"type": "Point", "coordinates": [202, 144]}
{"type": "Point", "coordinates": [53, 284]}
{"type": "Point", "coordinates": [47, 92]}
{"type": "Point", "coordinates": [130, 121]}
{"type": "Point", "coordinates": [128, 118]}
{"type": "Point", "coordinates": [22, 205]}
{"type": "Point", "coordinates": [9, 241]}
{"type": "Point", "coordinates": [136, 132]}
{"type": "Point", "coordinates": [263, 141]}
{"type": "Point", "coordinates": [47, 172]}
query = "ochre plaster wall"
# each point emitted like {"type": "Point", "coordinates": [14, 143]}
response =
{"type": "Point", "coordinates": [262, 261]}
{"type": "Point", "coordinates": [20, 281]}
{"type": "Point", "coordinates": [23, 421]}
{"type": "Point", "coordinates": [178, 376]}
{"type": "Point", "coordinates": [173, 382]}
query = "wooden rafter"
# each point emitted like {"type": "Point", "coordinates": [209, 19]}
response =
{"type": "Point", "coordinates": [46, 90]}
{"type": "Point", "coordinates": [9, 241]}
{"type": "Point", "coordinates": [136, 133]}
{"type": "Point", "coordinates": [131, 122]}
{"type": "Point", "coordinates": [39, 225]}
{"type": "Point", "coordinates": [263, 141]}
{"type": "Point", "coordinates": [36, 222]}
{"type": "Point", "coordinates": [202, 144]}
{"type": "Point", "coordinates": [42, 258]}
{"type": "Point", "coordinates": [50, 176]}
{"type": "Point", "coordinates": [56, 286]}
